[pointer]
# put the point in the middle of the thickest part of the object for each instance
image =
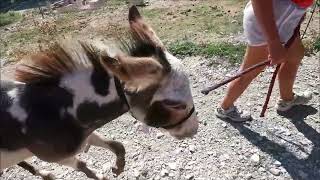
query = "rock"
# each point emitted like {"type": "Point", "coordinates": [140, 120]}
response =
{"type": "Point", "coordinates": [248, 176]}
{"type": "Point", "coordinates": [304, 142]}
{"type": "Point", "coordinates": [164, 173]}
{"type": "Point", "coordinates": [106, 166]}
{"type": "Point", "coordinates": [192, 148]}
{"type": "Point", "coordinates": [274, 171]}
{"type": "Point", "coordinates": [191, 163]}
{"type": "Point", "coordinates": [172, 166]}
{"type": "Point", "coordinates": [159, 135]}
{"type": "Point", "coordinates": [255, 158]}
{"type": "Point", "coordinates": [170, 13]}
{"type": "Point", "coordinates": [136, 173]}
{"type": "Point", "coordinates": [204, 123]}
{"type": "Point", "coordinates": [261, 169]}
{"type": "Point", "coordinates": [189, 176]}
{"type": "Point", "coordinates": [201, 80]}
{"type": "Point", "coordinates": [143, 172]}
{"type": "Point", "coordinates": [211, 153]}
{"type": "Point", "coordinates": [157, 177]}
{"type": "Point", "coordinates": [277, 163]}
{"type": "Point", "coordinates": [287, 133]}
{"type": "Point", "coordinates": [178, 150]}
{"type": "Point", "coordinates": [224, 157]}
{"type": "Point", "coordinates": [224, 125]}
{"type": "Point", "coordinates": [241, 157]}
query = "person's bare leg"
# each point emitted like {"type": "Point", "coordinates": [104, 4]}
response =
{"type": "Point", "coordinates": [253, 56]}
{"type": "Point", "coordinates": [288, 70]}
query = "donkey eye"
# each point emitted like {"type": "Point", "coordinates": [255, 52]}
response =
{"type": "Point", "coordinates": [175, 104]}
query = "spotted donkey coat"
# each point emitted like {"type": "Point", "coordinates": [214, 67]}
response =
{"type": "Point", "coordinates": [63, 95]}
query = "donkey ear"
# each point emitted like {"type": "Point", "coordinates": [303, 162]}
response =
{"type": "Point", "coordinates": [134, 14]}
{"type": "Point", "coordinates": [141, 31]}
{"type": "Point", "coordinates": [137, 73]}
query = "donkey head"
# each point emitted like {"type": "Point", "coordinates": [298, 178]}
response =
{"type": "Point", "coordinates": [156, 86]}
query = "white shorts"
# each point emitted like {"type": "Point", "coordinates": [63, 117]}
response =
{"type": "Point", "coordinates": [287, 16]}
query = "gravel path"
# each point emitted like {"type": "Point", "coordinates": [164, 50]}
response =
{"type": "Point", "coordinates": [276, 147]}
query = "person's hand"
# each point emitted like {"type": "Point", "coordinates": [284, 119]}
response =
{"type": "Point", "coordinates": [277, 52]}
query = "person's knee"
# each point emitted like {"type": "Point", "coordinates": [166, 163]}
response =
{"type": "Point", "coordinates": [297, 52]}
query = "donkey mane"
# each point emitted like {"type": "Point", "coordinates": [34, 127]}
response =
{"type": "Point", "coordinates": [70, 56]}
{"type": "Point", "coordinates": [58, 60]}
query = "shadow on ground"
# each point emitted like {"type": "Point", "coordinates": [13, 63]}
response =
{"type": "Point", "coordinates": [293, 165]}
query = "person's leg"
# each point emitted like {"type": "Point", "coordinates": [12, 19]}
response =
{"type": "Point", "coordinates": [288, 70]}
{"type": "Point", "coordinates": [286, 77]}
{"type": "Point", "coordinates": [227, 110]}
{"type": "Point", "coordinates": [253, 56]}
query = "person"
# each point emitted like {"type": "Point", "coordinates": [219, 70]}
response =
{"type": "Point", "coordinates": [268, 25]}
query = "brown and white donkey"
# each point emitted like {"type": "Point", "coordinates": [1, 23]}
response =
{"type": "Point", "coordinates": [61, 96]}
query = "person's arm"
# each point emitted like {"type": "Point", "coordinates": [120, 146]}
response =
{"type": "Point", "coordinates": [263, 10]}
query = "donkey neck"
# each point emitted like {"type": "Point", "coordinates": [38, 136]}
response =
{"type": "Point", "coordinates": [98, 97]}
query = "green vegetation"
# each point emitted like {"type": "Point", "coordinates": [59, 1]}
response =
{"type": "Point", "coordinates": [311, 46]}
{"type": "Point", "coordinates": [116, 2]}
{"type": "Point", "coordinates": [24, 36]}
{"type": "Point", "coordinates": [153, 13]}
{"type": "Point", "coordinates": [233, 52]}
{"type": "Point", "coordinates": [317, 44]}
{"type": "Point", "coordinates": [9, 18]}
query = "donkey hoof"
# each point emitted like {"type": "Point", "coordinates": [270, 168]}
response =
{"type": "Point", "coordinates": [117, 171]}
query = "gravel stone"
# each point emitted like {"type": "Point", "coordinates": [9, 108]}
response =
{"type": "Point", "coordinates": [274, 171]}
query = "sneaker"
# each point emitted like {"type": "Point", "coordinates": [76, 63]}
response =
{"type": "Point", "coordinates": [298, 99]}
{"type": "Point", "coordinates": [232, 114]}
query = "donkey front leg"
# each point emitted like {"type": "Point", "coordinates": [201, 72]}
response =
{"type": "Point", "coordinates": [46, 175]}
{"type": "Point", "coordinates": [116, 147]}
{"type": "Point", "coordinates": [79, 165]}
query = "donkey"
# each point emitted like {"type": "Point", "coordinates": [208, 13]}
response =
{"type": "Point", "coordinates": [62, 95]}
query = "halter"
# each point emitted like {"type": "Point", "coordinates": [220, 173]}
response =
{"type": "Point", "coordinates": [171, 126]}
{"type": "Point", "coordinates": [119, 89]}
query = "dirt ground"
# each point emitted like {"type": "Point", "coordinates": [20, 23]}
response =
{"type": "Point", "coordinates": [276, 147]}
